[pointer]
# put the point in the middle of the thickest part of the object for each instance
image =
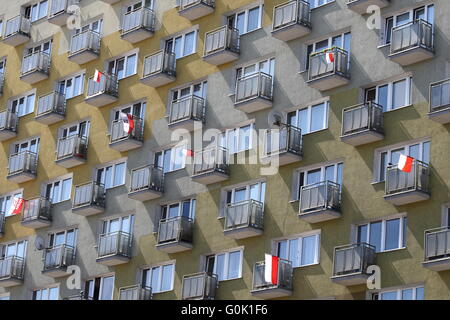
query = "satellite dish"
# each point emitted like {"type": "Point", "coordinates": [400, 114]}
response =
{"type": "Point", "coordinates": [39, 243]}
{"type": "Point", "coordinates": [274, 119]}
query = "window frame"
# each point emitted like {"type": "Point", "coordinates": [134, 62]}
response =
{"type": "Point", "coordinates": [6, 200]}
{"type": "Point", "coordinates": [112, 167]}
{"type": "Point", "coordinates": [237, 132]}
{"type": "Point", "coordinates": [182, 36]}
{"type": "Point", "coordinates": [14, 104]}
{"type": "Point", "coordinates": [72, 79]}
{"type": "Point", "coordinates": [309, 117]}
{"type": "Point", "coordinates": [161, 155]}
{"type": "Point", "coordinates": [48, 289]}
{"type": "Point", "coordinates": [390, 93]}
{"type": "Point", "coordinates": [51, 237]}
{"type": "Point", "coordinates": [180, 204]}
{"type": "Point", "coordinates": [91, 281]}
{"type": "Point", "coordinates": [36, 4]}
{"type": "Point", "coordinates": [147, 272]}
{"type": "Point", "coordinates": [399, 292]}
{"type": "Point", "coordinates": [233, 18]}
{"type": "Point", "coordinates": [61, 184]}
{"type": "Point", "coordinates": [300, 237]}
{"type": "Point", "coordinates": [112, 65]}
{"type": "Point", "coordinates": [226, 264]}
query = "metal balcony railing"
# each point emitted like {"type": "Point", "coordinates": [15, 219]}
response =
{"type": "Point", "coordinates": [12, 267]}
{"type": "Point", "coordinates": [8, 121]}
{"type": "Point", "coordinates": [223, 38]}
{"type": "Point", "coordinates": [353, 258]}
{"type": "Point", "coordinates": [85, 40]}
{"type": "Point", "coordinates": [135, 292]}
{"type": "Point", "coordinates": [178, 229]}
{"type": "Point", "coordinates": [72, 146]}
{"type": "Point", "coordinates": [19, 24]}
{"type": "Point", "coordinates": [437, 243]}
{"type": "Point", "coordinates": [2, 223]}
{"type": "Point", "coordinates": [109, 84]}
{"type": "Point", "coordinates": [285, 276]}
{"type": "Point", "coordinates": [187, 108]}
{"type": "Point", "coordinates": [286, 139]}
{"type": "Point", "coordinates": [160, 62]}
{"type": "Point", "coordinates": [212, 159]}
{"type": "Point", "coordinates": [186, 4]}
{"type": "Point", "coordinates": [137, 19]}
{"type": "Point", "coordinates": [54, 102]}
{"type": "Point", "coordinates": [440, 95]}
{"type": "Point", "coordinates": [362, 117]}
{"type": "Point", "coordinates": [147, 177]}
{"type": "Point", "coordinates": [248, 213]}
{"type": "Point", "coordinates": [291, 12]}
{"type": "Point", "coordinates": [319, 67]}
{"type": "Point", "coordinates": [59, 257]}
{"type": "Point", "coordinates": [398, 181]}
{"type": "Point", "coordinates": [118, 134]}
{"type": "Point", "coordinates": [37, 209]}
{"type": "Point", "coordinates": [22, 162]}
{"type": "Point", "coordinates": [91, 193]}
{"type": "Point", "coordinates": [36, 61]}
{"type": "Point", "coordinates": [61, 6]}
{"type": "Point", "coordinates": [418, 33]}
{"type": "Point", "coordinates": [254, 86]}
{"type": "Point", "coordinates": [320, 196]}
{"type": "Point", "coordinates": [114, 244]}
{"type": "Point", "coordinates": [199, 286]}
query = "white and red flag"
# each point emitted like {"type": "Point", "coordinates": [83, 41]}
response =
{"type": "Point", "coordinates": [97, 76]}
{"type": "Point", "coordinates": [16, 206]}
{"type": "Point", "coordinates": [405, 163]}
{"type": "Point", "coordinates": [271, 269]}
{"type": "Point", "coordinates": [330, 57]}
{"type": "Point", "coordinates": [188, 153]}
{"type": "Point", "coordinates": [128, 122]}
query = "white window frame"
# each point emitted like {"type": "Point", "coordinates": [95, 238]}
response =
{"type": "Point", "coordinates": [225, 136]}
{"type": "Point", "coordinates": [77, 125]}
{"type": "Point", "coordinates": [89, 26]}
{"type": "Point", "coordinates": [125, 58]}
{"type": "Point", "coordinates": [106, 224]}
{"type": "Point", "coordinates": [309, 117]}
{"type": "Point", "coordinates": [149, 270]}
{"type": "Point", "coordinates": [100, 292]}
{"type": "Point", "coordinates": [226, 262]}
{"type": "Point", "coordinates": [390, 97]}
{"type": "Point", "coordinates": [16, 146]}
{"type": "Point", "coordinates": [26, 97]}
{"type": "Point", "coordinates": [182, 43]}
{"type": "Point", "coordinates": [300, 237]}
{"type": "Point", "coordinates": [399, 291]}
{"type": "Point", "coordinates": [113, 172]}
{"type": "Point", "coordinates": [1, 27]}
{"type": "Point", "coordinates": [192, 208]}
{"type": "Point", "coordinates": [15, 243]}
{"type": "Point", "coordinates": [61, 183]}
{"type": "Point", "coordinates": [35, 292]}
{"type": "Point", "coordinates": [316, 3]}
{"type": "Point", "coordinates": [7, 197]}
{"type": "Point", "coordinates": [172, 158]}
{"type": "Point", "coordinates": [72, 79]}
{"type": "Point", "coordinates": [246, 15]}
{"type": "Point", "coordinates": [65, 231]}
{"type": "Point", "coordinates": [37, 5]}
{"type": "Point", "coordinates": [305, 66]}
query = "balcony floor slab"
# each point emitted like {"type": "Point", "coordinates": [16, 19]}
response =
{"type": "Point", "coordinates": [36, 223]}
{"type": "Point", "coordinates": [253, 104]}
{"type": "Point", "coordinates": [441, 264]}
{"type": "Point", "coordinates": [10, 282]}
{"type": "Point", "coordinates": [362, 137]}
{"type": "Point", "coordinates": [158, 79]}
{"type": "Point", "coordinates": [137, 35]}
{"type": "Point", "coordinates": [411, 56]}
{"type": "Point", "coordinates": [49, 118]}
{"type": "Point", "coordinates": [56, 272]}
{"type": "Point", "coordinates": [113, 260]}
{"type": "Point", "coordinates": [360, 6]}
{"type": "Point", "coordinates": [83, 56]}
{"type": "Point", "coordinates": [21, 177]}
{"type": "Point", "coordinates": [328, 82]}
{"type": "Point", "coordinates": [7, 134]}
{"type": "Point", "coordinates": [243, 233]}
{"type": "Point", "coordinates": [442, 116]}
{"type": "Point", "coordinates": [174, 247]}
{"type": "Point", "coordinates": [59, 19]}
{"type": "Point", "coordinates": [70, 162]}
{"type": "Point", "coordinates": [88, 210]}
{"type": "Point", "coordinates": [352, 279]}
{"type": "Point", "coordinates": [100, 100]}
{"type": "Point", "coordinates": [34, 77]}
{"type": "Point", "coordinates": [221, 57]}
{"type": "Point", "coordinates": [406, 197]}
{"type": "Point", "coordinates": [271, 293]}
{"type": "Point", "coordinates": [209, 177]}
{"type": "Point", "coordinates": [291, 32]}
{"type": "Point", "coordinates": [145, 195]}
{"type": "Point", "coordinates": [16, 39]}
{"type": "Point", "coordinates": [126, 144]}
{"type": "Point", "coordinates": [320, 215]}
{"type": "Point", "coordinates": [196, 11]}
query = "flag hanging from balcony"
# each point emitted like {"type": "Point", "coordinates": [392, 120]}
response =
{"type": "Point", "coordinates": [97, 76]}
{"type": "Point", "coordinates": [16, 206]}
{"type": "Point", "coordinates": [128, 122]}
{"type": "Point", "coordinates": [405, 163]}
{"type": "Point", "coordinates": [188, 153]}
{"type": "Point", "coordinates": [330, 57]}
{"type": "Point", "coordinates": [271, 269]}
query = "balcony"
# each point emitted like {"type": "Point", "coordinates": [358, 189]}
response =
{"type": "Point", "coordinates": [122, 141]}
{"type": "Point", "coordinates": [195, 9]}
{"type": "Point", "coordinates": [2, 223]}
{"type": "Point", "coordinates": [147, 183]}
{"type": "Point", "coordinates": [8, 125]}
{"type": "Point", "coordinates": [114, 248]}
{"type": "Point", "coordinates": [71, 151]}
{"type": "Point", "coordinates": [437, 249]}
{"type": "Point", "coordinates": [199, 286]}
{"type": "Point", "coordinates": [135, 292]}
{"type": "Point", "coordinates": [211, 166]}
{"type": "Point", "coordinates": [283, 146]}
{"type": "Point", "coordinates": [22, 167]}
{"type": "Point", "coordinates": [291, 20]}
{"type": "Point", "coordinates": [12, 270]}
{"type": "Point", "coordinates": [266, 290]}
{"type": "Point", "coordinates": [17, 31]}
{"type": "Point", "coordinates": [325, 76]}
{"type": "Point", "coordinates": [89, 199]}
{"type": "Point", "coordinates": [37, 213]}
{"type": "Point", "coordinates": [2, 83]}
{"type": "Point", "coordinates": [244, 219]}
{"type": "Point", "coordinates": [350, 263]}
{"type": "Point", "coordinates": [412, 42]}
{"type": "Point", "coordinates": [104, 92]}
{"type": "Point", "coordinates": [35, 67]}
{"type": "Point", "coordinates": [51, 108]}
{"type": "Point", "coordinates": [110, 1]}
{"type": "Point", "coordinates": [407, 187]}
{"type": "Point", "coordinates": [221, 46]}
{"type": "Point", "coordinates": [57, 259]}
{"type": "Point", "coordinates": [159, 69]}
{"type": "Point", "coordinates": [320, 202]}
{"type": "Point", "coordinates": [362, 124]}
{"type": "Point", "coordinates": [59, 11]}
{"type": "Point", "coordinates": [254, 92]}
{"type": "Point", "coordinates": [84, 47]}
{"type": "Point", "coordinates": [440, 101]}
{"type": "Point", "coordinates": [187, 113]}
{"type": "Point", "coordinates": [360, 6]}
{"type": "Point", "coordinates": [175, 234]}
{"type": "Point", "coordinates": [138, 25]}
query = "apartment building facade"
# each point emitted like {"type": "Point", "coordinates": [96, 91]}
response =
{"type": "Point", "coordinates": [348, 91]}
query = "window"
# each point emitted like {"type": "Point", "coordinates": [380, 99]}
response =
{"type": "Point", "coordinates": [4, 296]}
{"type": "Point", "coordinates": [247, 20]}
{"type": "Point", "coordinates": [318, 3]}
{"type": "Point", "coordinates": [392, 95]}
{"type": "Point", "coordinates": [255, 191]}
{"type": "Point", "coordinates": [31, 145]}
{"type": "Point", "coordinates": [123, 224]}
{"type": "Point", "coordinates": [67, 237]}
{"type": "Point", "coordinates": [182, 45]}
{"type": "Point", "coordinates": [93, 26]}
{"type": "Point", "coordinates": [46, 294]}
{"type": "Point", "coordinates": [15, 249]}
{"type": "Point", "coordinates": [36, 11]}
{"type": "Point", "coordinates": [384, 235]}
{"type": "Point", "coordinates": [112, 176]}
{"type": "Point", "coordinates": [227, 265]}
{"type": "Point", "coordinates": [419, 151]}
{"type": "Point", "coordinates": [1, 28]}
{"type": "Point", "coordinates": [159, 278]}
{"type": "Point", "coordinates": [301, 251]}
{"type": "Point", "coordinates": [2, 63]}
{"type": "Point", "coordinates": [137, 5]}
{"type": "Point", "coordinates": [59, 191]}
{"type": "Point", "coordinates": [266, 66]}
{"type": "Point", "coordinates": [179, 209]}
{"type": "Point", "coordinates": [238, 139]}
{"type": "Point", "coordinates": [197, 89]}
{"type": "Point", "coordinates": [137, 110]}
{"type": "Point", "coordinates": [310, 119]}
{"type": "Point", "coordinates": [100, 288]}
{"type": "Point", "coordinates": [72, 87]}
{"type": "Point", "coordinates": [5, 202]}
{"type": "Point", "coordinates": [81, 129]}
{"type": "Point", "coordinates": [124, 66]}
{"type": "Point", "coordinates": [23, 105]}
{"type": "Point", "coordinates": [171, 159]}
{"type": "Point", "coordinates": [45, 47]}
{"type": "Point", "coordinates": [413, 293]}
{"type": "Point", "coordinates": [341, 41]}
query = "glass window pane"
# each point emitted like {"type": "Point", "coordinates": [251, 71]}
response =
{"type": "Point", "coordinates": [426, 152]}
{"type": "Point", "coordinates": [220, 264]}
{"type": "Point", "coordinates": [108, 177]}
{"type": "Point", "coordinates": [303, 121]}
{"type": "Point", "coordinates": [407, 294]}
{"type": "Point", "coordinates": [383, 166]}
{"type": "Point", "coordinates": [420, 293]}
{"type": "Point", "coordinates": [240, 195]}
{"type": "Point", "coordinates": [167, 276]}
{"type": "Point", "coordinates": [283, 249]}
{"type": "Point", "coordinates": [362, 233]}
{"type": "Point", "coordinates": [240, 21]}
{"type": "Point", "coordinates": [392, 234]}
{"type": "Point", "coordinates": [253, 19]}
{"type": "Point", "coordinates": [174, 211]}
{"type": "Point", "coordinates": [155, 279]}
{"type": "Point", "coordinates": [383, 97]}
{"type": "Point", "coordinates": [189, 41]}
{"type": "Point", "coordinates": [119, 174]}
{"type": "Point", "coordinates": [53, 294]}
{"type": "Point", "coordinates": [399, 94]}
{"type": "Point", "coordinates": [317, 117]}
{"type": "Point", "coordinates": [414, 151]}
{"type": "Point", "coordinates": [131, 65]}
{"type": "Point", "coordinates": [392, 295]}
{"type": "Point", "coordinates": [178, 48]}
{"type": "Point", "coordinates": [66, 189]}
{"type": "Point", "coordinates": [375, 235]}
{"type": "Point", "coordinates": [107, 288]}
{"type": "Point", "coordinates": [244, 138]}
{"type": "Point", "coordinates": [166, 161]}
{"type": "Point", "coordinates": [294, 253]}
{"type": "Point", "coordinates": [309, 249]}
{"type": "Point", "coordinates": [234, 264]}
{"type": "Point", "coordinates": [313, 176]}
{"type": "Point", "coordinates": [329, 173]}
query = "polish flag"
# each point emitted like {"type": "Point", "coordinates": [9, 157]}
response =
{"type": "Point", "coordinates": [16, 206]}
{"type": "Point", "coordinates": [128, 122]}
{"type": "Point", "coordinates": [330, 57]}
{"type": "Point", "coordinates": [188, 153]}
{"type": "Point", "coordinates": [405, 163]}
{"type": "Point", "coordinates": [271, 269]}
{"type": "Point", "coordinates": [97, 76]}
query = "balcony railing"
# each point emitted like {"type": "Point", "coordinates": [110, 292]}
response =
{"type": "Point", "coordinates": [85, 40]}
{"type": "Point", "coordinates": [248, 213]}
{"type": "Point", "coordinates": [221, 39]}
{"type": "Point", "coordinates": [118, 133]}
{"type": "Point", "coordinates": [319, 67]}
{"type": "Point", "coordinates": [418, 33]}
{"type": "Point", "coordinates": [160, 62]}
{"type": "Point", "coordinates": [254, 86]}
{"type": "Point", "coordinates": [22, 162]}
{"type": "Point", "coordinates": [17, 25]}
{"type": "Point", "coordinates": [440, 95]}
{"type": "Point", "coordinates": [12, 267]}
{"type": "Point", "coordinates": [186, 4]}
{"type": "Point", "coordinates": [188, 108]}
{"type": "Point", "coordinates": [291, 13]}
{"type": "Point", "coordinates": [2, 223]}
{"type": "Point", "coordinates": [325, 195]}
{"type": "Point", "coordinates": [199, 286]}
{"type": "Point", "coordinates": [91, 193]}
{"type": "Point", "coordinates": [114, 244]}
{"type": "Point", "coordinates": [135, 292]}
{"type": "Point", "coordinates": [212, 159]}
{"type": "Point", "coordinates": [178, 229]}
{"type": "Point", "coordinates": [147, 177]}
{"type": "Point", "coordinates": [72, 146]}
{"type": "Point", "coordinates": [398, 181]}
{"type": "Point", "coordinates": [285, 276]}
{"type": "Point", "coordinates": [37, 209]}
{"type": "Point", "coordinates": [8, 121]}
{"type": "Point", "coordinates": [353, 259]}
{"type": "Point", "coordinates": [54, 102]}
{"type": "Point", "coordinates": [139, 18]}
{"type": "Point", "coordinates": [286, 139]}
{"type": "Point", "coordinates": [437, 244]}
{"type": "Point", "coordinates": [59, 257]}
{"type": "Point", "coordinates": [109, 84]}
{"type": "Point", "coordinates": [362, 117]}
{"type": "Point", "coordinates": [36, 61]}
